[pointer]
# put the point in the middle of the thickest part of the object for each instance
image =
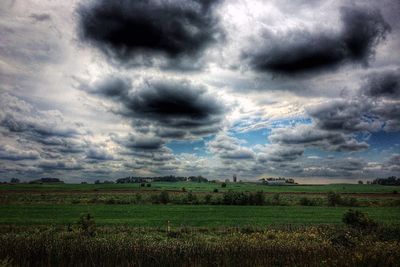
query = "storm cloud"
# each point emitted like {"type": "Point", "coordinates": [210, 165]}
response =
{"type": "Point", "coordinates": [311, 136]}
{"type": "Point", "coordinates": [96, 89]}
{"type": "Point", "coordinates": [147, 30]}
{"type": "Point", "coordinates": [301, 51]}
{"type": "Point", "coordinates": [383, 84]}
{"type": "Point", "coordinates": [175, 108]}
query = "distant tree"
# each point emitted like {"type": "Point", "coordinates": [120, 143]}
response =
{"type": "Point", "coordinates": [83, 182]}
{"type": "Point", "coordinates": [148, 185]}
{"type": "Point", "coordinates": [97, 182]}
{"type": "Point", "coordinates": [223, 185]}
{"type": "Point", "coordinates": [14, 181]}
{"type": "Point", "coordinates": [392, 180]}
{"type": "Point", "coordinates": [215, 190]}
{"type": "Point", "coordinates": [360, 182]}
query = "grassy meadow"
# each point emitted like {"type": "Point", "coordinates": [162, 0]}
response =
{"type": "Point", "coordinates": [199, 224]}
{"type": "Point", "coordinates": [205, 187]}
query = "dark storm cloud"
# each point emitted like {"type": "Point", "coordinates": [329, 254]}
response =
{"type": "Point", "coordinates": [175, 108]}
{"type": "Point", "coordinates": [374, 108]}
{"type": "Point", "coordinates": [311, 136]}
{"type": "Point", "coordinates": [302, 51]}
{"type": "Point", "coordinates": [278, 153]}
{"type": "Point", "coordinates": [384, 84]}
{"type": "Point", "coordinates": [345, 115]}
{"type": "Point", "coordinates": [126, 30]}
{"type": "Point", "coordinates": [144, 143]}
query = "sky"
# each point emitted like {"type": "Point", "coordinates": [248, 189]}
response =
{"type": "Point", "coordinates": [97, 89]}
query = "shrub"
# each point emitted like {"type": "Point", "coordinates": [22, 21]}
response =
{"type": "Point", "coordinates": [190, 198]}
{"type": "Point", "coordinates": [357, 219]}
{"type": "Point", "coordinates": [257, 198]}
{"type": "Point", "coordinates": [142, 185]}
{"type": "Point", "coordinates": [163, 197]}
{"type": "Point", "coordinates": [148, 185]}
{"type": "Point", "coordinates": [305, 201]}
{"type": "Point", "coordinates": [223, 185]}
{"type": "Point", "coordinates": [207, 199]}
{"type": "Point", "coordinates": [183, 189]}
{"type": "Point", "coordinates": [276, 199]}
{"type": "Point", "coordinates": [87, 225]}
{"type": "Point", "coordinates": [352, 202]}
{"type": "Point", "coordinates": [334, 199]}
{"type": "Point", "coordinates": [110, 201]}
{"type": "Point", "coordinates": [215, 190]}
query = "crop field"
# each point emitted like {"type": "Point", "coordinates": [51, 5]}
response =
{"type": "Point", "coordinates": [199, 224]}
{"type": "Point", "coordinates": [204, 187]}
{"type": "Point", "coordinates": [186, 215]}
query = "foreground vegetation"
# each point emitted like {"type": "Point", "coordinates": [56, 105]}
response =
{"type": "Point", "coordinates": [199, 224]}
{"type": "Point", "coordinates": [246, 246]}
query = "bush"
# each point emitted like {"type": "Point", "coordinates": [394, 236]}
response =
{"type": "Point", "coordinates": [163, 197]}
{"type": "Point", "coordinates": [190, 198]}
{"type": "Point", "coordinates": [240, 198]}
{"type": "Point", "coordinates": [207, 199]}
{"type": "Point", "coordinates": [87, 225]}
{"type": "Point", "coordinates": [357, 219]}
{"type": "Point", "coordinates": [142, 185]}
{"type": "Point", "coordinates": [148, 185]}
{"type": "Point", "coordinates": [257, 199]}
{"type": "Point", "coordinates": [223, 185]}
{"type": "Point", "coordinates": [215, 190]}
{"type": "Point", "coordinates": [334, 199]}
{"type": "Point", "coordinates": [110, 201]}
{"type": "Point", "coordinates": [276, 199]}
{"type": "Point", "coordinates": [305, 201]}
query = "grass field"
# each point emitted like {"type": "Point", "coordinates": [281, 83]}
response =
{"type": "Point", "coordinates": [294, 225]}
{"type": "Point", "coordinates": [207, 187]}
{"type": "Point", "coordinates": [186, 215]}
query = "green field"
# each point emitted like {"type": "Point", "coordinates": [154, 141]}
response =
{"type": "Point", "coordinates": [192, 224]}
{"type": "Point", "coordinates": [207, 187]}
{"type": "Point", "coordinates": [186, 215]}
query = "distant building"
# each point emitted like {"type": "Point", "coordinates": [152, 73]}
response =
{"type": "Point", "coordinates": [234, 178]}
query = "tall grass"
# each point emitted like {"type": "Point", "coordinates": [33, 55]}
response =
{"type": "Point", "coordinates": [311, 246]}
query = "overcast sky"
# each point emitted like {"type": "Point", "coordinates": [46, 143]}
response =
{"type": "Point", "coordinates": [106, 89]}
